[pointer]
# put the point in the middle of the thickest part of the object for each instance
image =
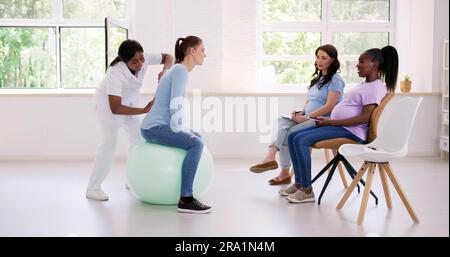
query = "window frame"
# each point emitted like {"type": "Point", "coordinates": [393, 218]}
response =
{"type": "Point", "coordinates": [108, 21]}
{"type": "Point", "coordinates": [326, 27]}
{"type": "Point", "coordinates": [57, 22]}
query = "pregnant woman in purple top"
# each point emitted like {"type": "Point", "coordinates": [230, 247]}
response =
{"type": "Point", "coordinates": [324, 92]}
{"type": "Point", "coordinates": [349, 119]}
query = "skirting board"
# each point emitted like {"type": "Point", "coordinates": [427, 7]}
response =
{"type": "Point", "coordinates": [250, 156]}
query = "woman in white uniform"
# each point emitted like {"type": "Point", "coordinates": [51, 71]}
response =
{"type": "Point", "coordinates": [117, 100]}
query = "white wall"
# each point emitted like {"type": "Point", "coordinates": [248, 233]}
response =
{"type": "Point", "coordinates": [228, 29]}
{"type": "Point", "coordinates": [414, 42]}
{"type": "Point", "coordinates": [421, 27]}
{"type": "Point", "coordinates": [65, 127]}
{"type": "Point", "coordinates": [240, 47]}
{"type": "Point", "coordinates": [441, 20]}
{"type": "Point", "coordinates": [159, 23]}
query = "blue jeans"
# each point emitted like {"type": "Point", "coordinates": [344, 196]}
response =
{"type": "Point", "coordinates": [189, 141]}
{"type": "Point", "coordinates": [286, 126]}
{"type": "Point", "coordinates": [300, 143]}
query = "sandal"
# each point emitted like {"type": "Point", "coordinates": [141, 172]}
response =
{"type": "Point", "coordinates": [277, 181]}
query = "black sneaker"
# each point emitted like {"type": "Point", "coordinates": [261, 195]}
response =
{"type": "Point", "coordinates": [194, 206]}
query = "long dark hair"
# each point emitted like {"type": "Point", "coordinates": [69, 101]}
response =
{"type": "Point", "coordinates": [182, 46]}
{"type": "Point", "coordinates": [332, 69]}
{"type": "Point", "coordinates": [387, 58]}
{"type": "Point", "coordinates": [127, 50]}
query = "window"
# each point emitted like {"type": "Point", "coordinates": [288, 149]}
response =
{"type": "Point", "coordinates": [17, 9]}
{"type": "Point", "coordinates": [27, 57]}
{"type": "Point", "coordinates": [81, 48]}
{"type": "Point", "coordinates": [287, 54]}
{"type": "Point", "coordinates": [98, 9]}
{"type": "Point", "coordinates": [291, 30]}
{"type": "Point", "coordinates": [115, 34]}
{"type": "Point", "coordinates": [57, 43]}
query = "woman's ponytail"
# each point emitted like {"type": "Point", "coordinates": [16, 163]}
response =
{"type": "Point", "coordinates": [115, 61]}
{"type": "Point", "coordinates": [387, 58]}
{"type": "Point", "coordinates": [389, 67]}
{"type": "Point", "coordinates": [179, 53]}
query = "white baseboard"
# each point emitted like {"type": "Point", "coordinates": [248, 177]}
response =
{"type": "Point", "coordinates": [47, 158]}
{"type": "Point", "coordinates": [121, 157]}
{"type": "Point", "coordinates": [423, 153]}
{"type": "Point", "coordinates": [315, 154]}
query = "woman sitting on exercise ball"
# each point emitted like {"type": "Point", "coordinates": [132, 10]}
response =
{"type": "Point", "coordinates": [164, 123]}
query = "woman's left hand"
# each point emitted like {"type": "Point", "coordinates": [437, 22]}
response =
{"type": "Point", "coordinates": [149, 106]}
{"type": "Point", "coordinates": [324, 121]}
{"type": "Point", "coordinates": [299, 118]}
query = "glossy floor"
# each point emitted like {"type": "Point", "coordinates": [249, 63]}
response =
{"type": "Point", "coordinates": [47, 199]}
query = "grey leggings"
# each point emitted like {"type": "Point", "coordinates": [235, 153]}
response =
{"type": "Point", "coordinates": [286, 126]}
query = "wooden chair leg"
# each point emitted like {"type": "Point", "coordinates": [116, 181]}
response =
{"type": "Point", "coordinates": [400, 192]}
{"type": "Point", "coordinates": [341, 171]}
{"type": "Point", "coordinates": [327, 157]}
{"type": "Point", "coordinates": [387, 193]}
{"type": "Point", "coordinates": [352, 186]}
{"type": "Point", "coordinates": [365, 198]}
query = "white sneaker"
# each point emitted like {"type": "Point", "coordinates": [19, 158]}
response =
{"type": "Point", "coordinates": [97, 194]}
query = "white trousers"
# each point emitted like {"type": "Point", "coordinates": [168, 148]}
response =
{"type": "Point", "coordinates": [108, 144]}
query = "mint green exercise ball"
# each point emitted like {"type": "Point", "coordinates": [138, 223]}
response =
{"type": "Point", "coordinates": [154, 173]}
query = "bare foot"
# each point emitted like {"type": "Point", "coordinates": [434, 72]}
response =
{"type": "Point", "coordinates": [283, 175]}
{"type": "Point", "coordinates": [266, 160]}
{"type": "Point", "coordinates": [270, 156]}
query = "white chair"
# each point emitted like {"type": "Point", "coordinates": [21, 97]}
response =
{"type": "Point", "coordinates": [394, 129]}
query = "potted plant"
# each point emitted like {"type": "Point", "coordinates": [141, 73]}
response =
{"type": "Point", "coordinates": [405, 84]}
